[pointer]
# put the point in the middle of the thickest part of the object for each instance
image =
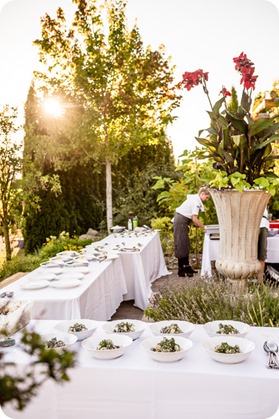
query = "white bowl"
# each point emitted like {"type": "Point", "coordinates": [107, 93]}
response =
{"type": "Point", "coordinates": [186, 327]}
{"type": "Point", "coordinates": [91, 326]}
{"type": "Point", "coordinates": [150, 343]}
{"type": "Point", "coordinates": [117, 229]}
{"type": "Point", "coordinates": [140, 326]}
{"type": "Point", "coordinates": [246, 347]}
{"type": "Point", "coordinates": [91, 344]}
{"type": "Point", "coordinates": [52, 264]}
{"type": "Point", "coordinates": [212, 328]}
{"type": "Point", "coordinates": [68, 338]}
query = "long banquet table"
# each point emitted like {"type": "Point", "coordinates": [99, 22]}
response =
{"type": "Point", "coordinates": [143, 262]}
{"type": "Point", "coordinates": [97, 297]}
{"type": "Point", "coordinates": [138, 261]}
{"type": "Point", "coordinates": [210, 252]}
{"type": "Point", "coordinates": [135, 386]}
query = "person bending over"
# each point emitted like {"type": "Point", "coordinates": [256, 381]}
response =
{"type": "Point", "coordinates": [186, 214]}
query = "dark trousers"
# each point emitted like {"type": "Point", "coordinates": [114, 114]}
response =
{"type": "Point", "coordinates": [181, 236]}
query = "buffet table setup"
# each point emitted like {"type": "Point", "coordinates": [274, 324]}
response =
{"type": "Point", "coordinates": [93, 283]}
{"type": "Point", "coordinates": [137, 386]}
{"type": "Point", "coordinates": [210, 250]}
{"type": "Point", "coordinates": [94, 291]}
{"type": "Point", "coordinates": [142, 259]}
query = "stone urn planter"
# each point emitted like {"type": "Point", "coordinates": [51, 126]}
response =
{"type": "Point", "coordinates": [239, 215]}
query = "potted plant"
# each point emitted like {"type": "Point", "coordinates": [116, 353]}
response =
{"type": "Point", "coordinates": [243, 150]}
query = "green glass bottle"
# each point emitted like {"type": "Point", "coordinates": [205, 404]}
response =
{"type": "Point", "coordinates": [135, 222]}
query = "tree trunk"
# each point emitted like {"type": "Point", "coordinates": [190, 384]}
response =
{"type": "Point", "coordinates": [108, 195]}
{"type": "Point", "coordinates": [239, 215]}
{"type": "Point", "coordinates": [7, 240]}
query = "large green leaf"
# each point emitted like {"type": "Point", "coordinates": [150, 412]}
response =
{"type": "Point", "coordinates": [270, 140]}
{"type": "Point", "coordinates": [263, 124]}
{"type": "Point", "coordinates": [216, 108]}
{"type": "Point", "coordinates": [239, 124]}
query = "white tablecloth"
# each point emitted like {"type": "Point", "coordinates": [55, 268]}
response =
{"type": "Point", "coordinates": [97, 297]}
{"type": "Point", "coordinates": [108, 283]}
{"type": "Point", "coordinates": [142, 267]}
{"type": "Point", "coordinates": [211, 252]}
{"type": "Point", "coordinates": [135, 386]}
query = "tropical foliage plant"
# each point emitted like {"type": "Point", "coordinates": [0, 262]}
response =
{"type": "Point", "coordinates": [243, 148]}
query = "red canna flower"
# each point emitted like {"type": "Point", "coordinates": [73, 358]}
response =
{"type": "Point", "coordinates": [245, 66]}
{"type": "Point", "coordinates": [189, 80]}
{"type": "Point", "coordinates": [225, 92]}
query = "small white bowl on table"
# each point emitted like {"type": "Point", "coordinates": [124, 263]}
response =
{"type": "Point", "coordinates": [90, 344]}
{"type": "Point", "coordinates": [139, 325]}
{"type": "Point", "coordinates": [52, 264]}
{"type": "Point", "coordinates": [186, 327]}
{"type": "Point", "coordinates": [246, 347]}
{"type": "Point", "coordinates": [91, 326]}
{"type": "Point", "coordinates": [149, 343]}
{"type": "Point", "coordinates": [68, 338]}
{"type": "Point", "coordinates": [211, 328]}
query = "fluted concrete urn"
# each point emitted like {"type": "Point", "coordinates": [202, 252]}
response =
{"type": "Point", "coordinates": [239, 215]}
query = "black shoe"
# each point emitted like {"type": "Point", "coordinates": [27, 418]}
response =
{"type": "Point", "coordinates": [181, 273]}
{"type": "Point", "coordinates": [189, 270]}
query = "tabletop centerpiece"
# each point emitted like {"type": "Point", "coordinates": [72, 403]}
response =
{"type": "Point", "coordinates": [243, 150]}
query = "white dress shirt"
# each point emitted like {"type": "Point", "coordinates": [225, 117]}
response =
{"type": "Point", "coordinates": [191, 206]}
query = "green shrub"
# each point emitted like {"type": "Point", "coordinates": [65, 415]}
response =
{"type": "Point", "coordinates": [19, 264]}
{"type": "Point", "coordinates": [202, 301]}
{"type": "Point", "coordinates": [55, 245]}
{"type": "Point", "coordinates": [164, 225]}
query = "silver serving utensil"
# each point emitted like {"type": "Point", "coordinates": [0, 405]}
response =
{"type": "Point", "coordinates": [271, 348]}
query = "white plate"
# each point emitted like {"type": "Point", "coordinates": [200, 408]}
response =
{"type": "Point", "coordinates": [55, 271]}
{"type": "Point", "coordinates": [112, 256]}
{"type": "Point", "coordinates": [77, 264]}
{"type": "Point", "coordinates": [70, 253]}
{"type": "Point", "coordinates": [35, 285]}
{"type": "Point", "coordinates": [108, 256]}
{"type": "Point", "coordinates": [61, 258]}
{"type": "Point", "coordinates": [72, 283]}
{"type": "Point", "coordinates": [65, 276]}
{"type": "Point", "coordinates": [52, 264]}
{"type": "Point", "coordinates": [86, 256]}
{"type": "Point", "coordinates": [43, 277]}
{"type": "Point", "coordinates": [83, 269]}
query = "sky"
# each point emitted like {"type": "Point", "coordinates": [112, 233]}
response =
{"type": "Point", "coordinates": [204, 34]}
